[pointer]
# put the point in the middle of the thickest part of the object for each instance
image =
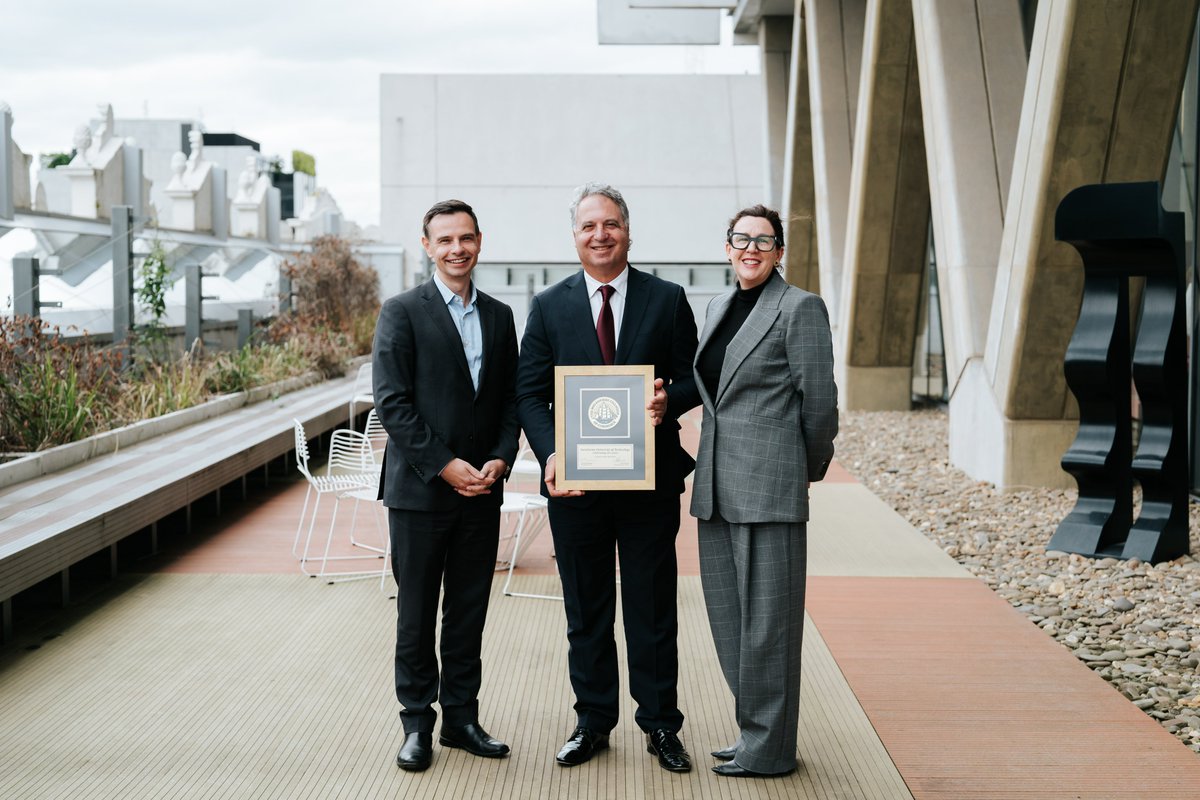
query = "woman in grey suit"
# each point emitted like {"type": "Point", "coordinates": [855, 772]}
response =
{"type": "Point", "coordinates": [764, 368]}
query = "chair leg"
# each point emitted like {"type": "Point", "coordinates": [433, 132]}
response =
{"type": "Point", "coordinates": [300, 522]}
{"type": "Point", "coordinates": [353, 526]}
{"type": "Point", "coordinates": [329, 538]}
{"type": "Point", "coordinates": [512, 562]}
{"type": "Point", "coordinates": [308, 539]}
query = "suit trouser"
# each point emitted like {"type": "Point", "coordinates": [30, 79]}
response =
{"type": "Point", "coordinates": [643, 529]}
{"type": "Point", "coordinates": [431, 549]}
{"type": "Point", "coordinates": [753, 577]}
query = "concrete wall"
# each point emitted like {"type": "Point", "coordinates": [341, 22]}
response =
{"type": "Point", "coordinates": [685, 150]}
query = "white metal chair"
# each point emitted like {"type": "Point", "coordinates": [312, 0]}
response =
{"type": "Point", "coordinates": [318, 485]}
{"type": "Point", "coordinates": [526, 472]}
{"type": "Point", "coordinates": [525, 516]}
{"type": "Point", "coordinates": [363, 392]}
{"type": "Point", "coordinates": [350, 474]}
{"type": "Point", "coordinates": [376, 434]}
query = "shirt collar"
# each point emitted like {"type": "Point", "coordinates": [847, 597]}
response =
{"type": "Point", "coordinates": [448, 294]}
{"type": "Point", "coordinates": [618, 283]}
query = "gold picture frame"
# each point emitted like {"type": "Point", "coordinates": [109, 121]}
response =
{"type": "Point", "coordinates": [603, 437]}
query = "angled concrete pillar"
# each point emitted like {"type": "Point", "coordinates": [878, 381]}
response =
{"type": "Point", "coordinates": [971, 62]}
{"type": "Point", "coordinates": [888, 219]}
{"type": "Point", "coordinates": [775, 45]}
{"type": "Point", "coordinates": [833, 36]}
{"type": "Point", "coordinates": [1100, 103]}
{"type": "Point", "coordinates": [801, 263]}
{"type": "Point", "coordinates": [972, 67]}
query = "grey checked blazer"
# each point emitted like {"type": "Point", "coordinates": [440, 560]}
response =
{"type": "Point", "coordinates": [770, 429]}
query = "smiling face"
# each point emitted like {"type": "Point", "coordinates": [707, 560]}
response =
{"type": "Point", "coordinates": [752, 266]}
{"type": "Point", "coordinates": [601, 237]}
{"type": "Point", "coordinates": [453, 245]}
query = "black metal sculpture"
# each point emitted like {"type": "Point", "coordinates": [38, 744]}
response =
{"type": "Point", "coordinates": [1121, 231]}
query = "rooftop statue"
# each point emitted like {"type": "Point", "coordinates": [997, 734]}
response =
{"type": "Point", "coordinates": [83, 143]}
{"type": "Point", "coordinates": [246, 180]}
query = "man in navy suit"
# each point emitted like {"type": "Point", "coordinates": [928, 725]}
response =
{"type": "Point", "coordinates": [611, 313]}
{"type": "Point", "coordinates": [444, 374]}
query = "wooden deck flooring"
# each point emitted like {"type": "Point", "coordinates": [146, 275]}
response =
{"type": "Point", "coordinates": [221, 672]}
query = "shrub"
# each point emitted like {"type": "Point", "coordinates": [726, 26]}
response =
{"type": "Point", "coordinates": [332, 288]}
{"type": "Point", "coordinates": [51, 391]}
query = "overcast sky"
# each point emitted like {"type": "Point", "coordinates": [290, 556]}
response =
{"type": "Point", "coordinates": [302, 74]}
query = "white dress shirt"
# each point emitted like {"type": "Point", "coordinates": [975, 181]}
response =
{"type": "Point", "coordinates": [616, 302]}
{"type": "Point", "coordinates": [466, 320]}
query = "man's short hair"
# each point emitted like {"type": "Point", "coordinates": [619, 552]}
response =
{"type": "Point", "coordinates": [591, 188]}
{"type": "Point", "coordinates": [448, 207]}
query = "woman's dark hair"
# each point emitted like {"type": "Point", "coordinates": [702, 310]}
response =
{"type": "Point", "coordinates": [769, 214]}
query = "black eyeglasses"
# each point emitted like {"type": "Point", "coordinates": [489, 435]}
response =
{"type": "Point", "coordinates": [741, 241]}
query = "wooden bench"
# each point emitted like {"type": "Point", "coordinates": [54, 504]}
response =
{"type": "Point", "coordinates": [52, 522]}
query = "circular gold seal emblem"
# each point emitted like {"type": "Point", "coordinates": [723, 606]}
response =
{"type": "Point", "coordinates": [604, 413]}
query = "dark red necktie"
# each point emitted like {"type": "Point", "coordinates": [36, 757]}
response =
{"type": "Point", "coordinates": [604, 327]}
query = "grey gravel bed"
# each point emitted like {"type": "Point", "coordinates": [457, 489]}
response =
{"type": "Point", "coordinates": [1136, 624]}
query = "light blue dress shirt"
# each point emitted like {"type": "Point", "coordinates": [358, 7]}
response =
{"type": "Point", "coordinates": [466, 320]}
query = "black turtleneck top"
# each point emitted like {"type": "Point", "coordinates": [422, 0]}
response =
{"type": "Point", "coordinates": [712, 357]}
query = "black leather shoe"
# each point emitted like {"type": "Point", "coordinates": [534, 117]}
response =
{"type": "Point", "coordinates": [416, 753]}
{"type": "Point", "coordinates": [580, 748]}
{"type": "Point", "coordinates": [670, 751]}
{"type": "Point", "coordinates": [732, 770]}
{"type": "Point", "coordinates": [474, 740]}
{"type": "Point", "coordinates": [725, 753]}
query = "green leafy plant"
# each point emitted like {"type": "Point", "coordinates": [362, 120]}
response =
{"type": "Point", "coordinates": [53, 160]}
{"type": "Point", "coordinates": [304, 162]}
{"type": "Point", "coordinates": [45, 407]}
{"type": "Point", "coordinates": [51, 391]}
{"type": "Point", "coordinates": [151, 296]}
{"type": "Point", "coordinates": [55, 390]}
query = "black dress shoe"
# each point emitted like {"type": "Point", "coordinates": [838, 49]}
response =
{"type": "Point", "coordinates": [416, 753]}
{"type": "Point", "coordinates": [580, 748]}
{"type": "Point", "coordinates": [732, 770]}
{"type": "Point", "coordinates": [725, 753]}
{"type": "Point", "coordinates": [670, 751]}
{"type": "Point", "coordinates": [474, 740]}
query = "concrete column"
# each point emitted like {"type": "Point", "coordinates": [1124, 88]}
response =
{"type": "Point", "coordinates": [122, 273]}
{"type": "Point", "coordinates": [274, 206]}
{"type": "Point", "coordinates": [193, 320]}
{"type": "Point", "coordinates": [245, 327]}
{"type": "Point", "coordinates": [132, 185]}
{"type": "Point", "coordinates": [801, 265]}
{"type": "Point", "coordinates": [7, 192]}
{"type": "Point", "coordinates": [972, 63]}
{"type": "Point", "coordinates": [26, 290]}
{"type": "Point", "coordinates": [833, 35]}
{"type": "Point", "coordinates": [220, 204]}
{"type": "Point", "coordinates": [775, 44]}
{"type": "Point", "coordinates": [1100, 104]}
{"type": "Point", "coordinates": [887, 220]}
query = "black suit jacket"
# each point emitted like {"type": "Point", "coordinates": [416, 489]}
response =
{"type": "Point", "coordinates": [427, 403]}
{"type": "Point", "coordinates": [657, 328]}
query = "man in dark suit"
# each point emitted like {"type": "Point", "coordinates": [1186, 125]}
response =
{"type": "Point", "coordinates": [610, 313]}
{"type": "Point", "coordinates": [444, 372]}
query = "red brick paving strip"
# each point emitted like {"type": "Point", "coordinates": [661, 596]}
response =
{"type": "Point", "coordinates": [973, 701]}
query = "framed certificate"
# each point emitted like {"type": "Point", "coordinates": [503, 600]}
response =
{"type": "Point", "coordinates": [602, 432]}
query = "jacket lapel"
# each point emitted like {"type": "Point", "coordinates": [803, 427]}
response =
{"type": "Point", "coordinates": [435, 307]}
{"type": "Point", "coordinates": [636, 298]}
{"type": "Point", "coordinates": [714, 315]}
{"type": "Point", "coordinates": [487, 322]}
{"type": "Point", "coordinates": [756, 326]}
{"type": "Point", "coordinates": [579, 313]}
